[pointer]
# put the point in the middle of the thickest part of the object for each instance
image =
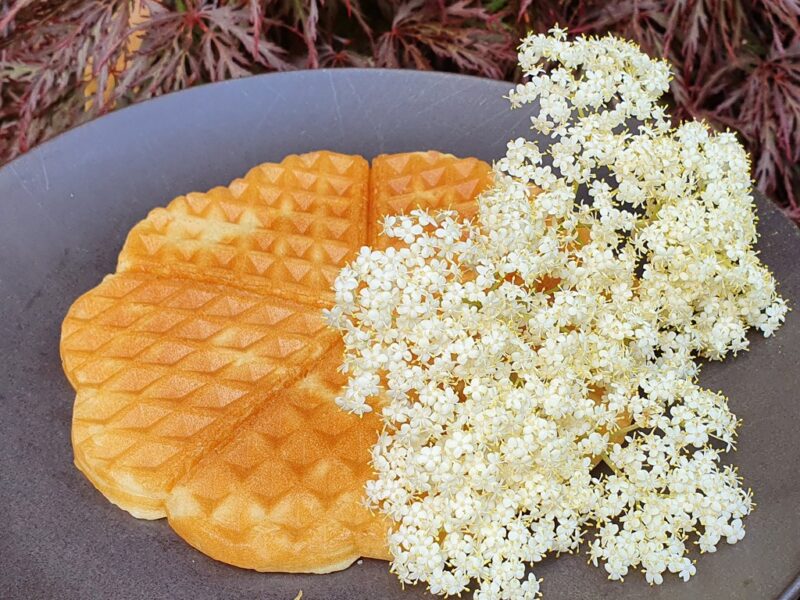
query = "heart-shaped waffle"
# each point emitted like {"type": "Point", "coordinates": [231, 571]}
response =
{"type": "Point", "coordinates": [206, 376]}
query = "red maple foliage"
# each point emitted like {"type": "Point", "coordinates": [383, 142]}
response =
{"type": "Point", "coordinates": [737, 62]}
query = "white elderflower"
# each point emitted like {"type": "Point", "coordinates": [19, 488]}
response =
{"type": "Point", "coordinates": [510, 355]}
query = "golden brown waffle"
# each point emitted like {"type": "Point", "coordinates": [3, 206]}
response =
{"type": "Point", "coordinates": [164, 368]}
{"type": "Point", "coordinates": [285, 493]}
{"type": "Point", "coordinates": [284, 229]}
{"type": "Point", "coordinates": [206, 377]}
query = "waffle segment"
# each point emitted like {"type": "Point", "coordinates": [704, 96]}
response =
{"type": "Point", "coordinates": [284, 229]}
{"type": "Point", "coordinates": [429, 180]}
{"type": "Point", "coordinates": [165, 368]}
{"type": "Point", "coordinates": [284, 494]}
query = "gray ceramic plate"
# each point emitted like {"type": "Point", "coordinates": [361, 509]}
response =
{"type": "Point", "coordinates": [64, 211]}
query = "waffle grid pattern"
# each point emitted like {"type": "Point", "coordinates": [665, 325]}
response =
{"type": "Point", "coordinates": [164, 367]}
{"type": "Point", "coordinates": [293, 479]}
{"type": "Point", "coordinates": [286, 228]}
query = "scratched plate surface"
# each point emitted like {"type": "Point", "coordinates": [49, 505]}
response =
{"type": "Point", "coordinates": [64, 211]}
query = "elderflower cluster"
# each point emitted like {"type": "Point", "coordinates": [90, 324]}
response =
{"type": "Point", "coordinates": [508, 356]}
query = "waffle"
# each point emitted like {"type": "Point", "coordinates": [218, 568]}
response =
{"type": "Point", "coordinates": [205, 374]}
{"type": "Point", "coordinates": [427, 180]}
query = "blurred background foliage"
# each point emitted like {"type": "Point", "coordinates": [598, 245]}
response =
{"type": "Point", "coordinates": [63, 62]}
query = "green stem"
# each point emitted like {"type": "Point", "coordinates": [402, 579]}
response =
{"type": "Point", "coordinates": [604, 457]}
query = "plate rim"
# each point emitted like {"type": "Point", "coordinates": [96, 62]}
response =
{"type": "Point", "coordinates": [156, 100]}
